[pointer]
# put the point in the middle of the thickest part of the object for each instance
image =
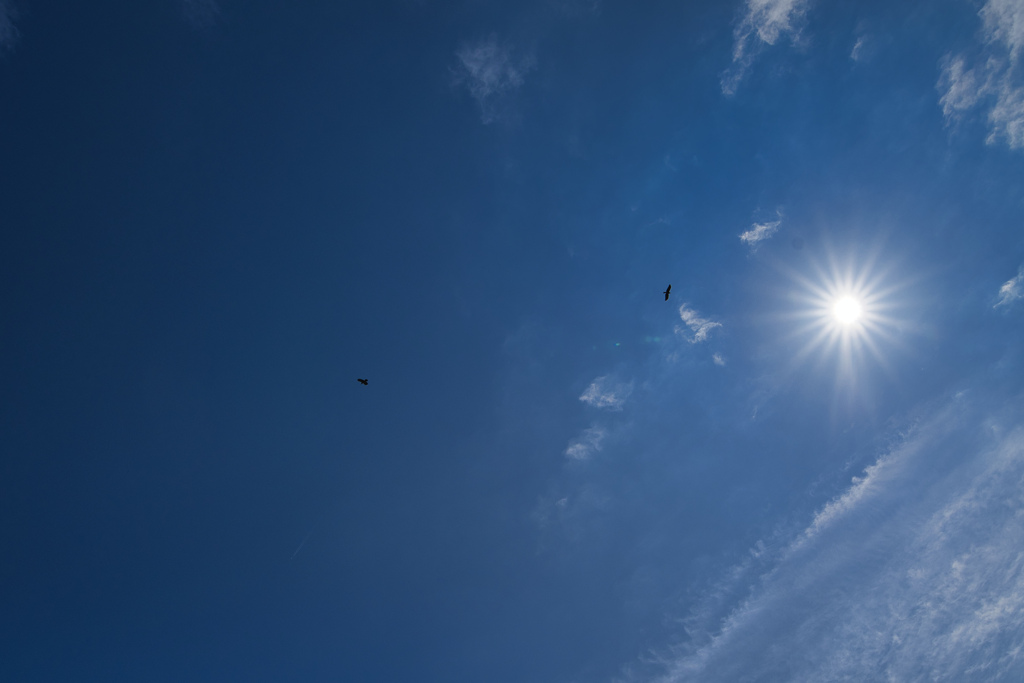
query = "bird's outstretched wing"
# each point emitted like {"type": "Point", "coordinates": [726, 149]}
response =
{"type": "Point", "coordinates": [364, 382]}
{"type": "Point", "coordinates": [667, 291]}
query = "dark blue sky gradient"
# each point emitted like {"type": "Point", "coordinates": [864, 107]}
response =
{"type": "Point", "coordinates": [207, 233]}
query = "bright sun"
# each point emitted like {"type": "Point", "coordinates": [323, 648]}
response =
{"type": "Point", "coordinates": [846, 310]}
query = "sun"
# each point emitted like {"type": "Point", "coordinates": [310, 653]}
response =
{"type": "Point", "coordinates": [847, 310]}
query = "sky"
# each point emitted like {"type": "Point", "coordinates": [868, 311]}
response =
{"type": "Point", "coordinates": [806, 465]}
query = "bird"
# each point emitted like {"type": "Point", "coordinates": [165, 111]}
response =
{"type": "Point", "coordinates": [364, 382]}
{"type": "Point", "coordinates": [667, 291]}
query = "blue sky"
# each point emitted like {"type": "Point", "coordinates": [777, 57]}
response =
{"type": "Point", "coordinates": [215, 216]}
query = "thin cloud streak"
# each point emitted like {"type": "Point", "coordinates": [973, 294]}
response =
{"type": "Point", "coordinates": [857, 53]}
{"type": "Point", "coordinates": [1011, 290]}
{"type": "Point", "coordinates": [700, 326]}
{"type": "Point", "coordinates": [763, 23]}
{"type": "Point", "coordinates": [993, 81]}
{"type": "Point", "coordinates": [916, 572]}
{"type": "Point", "coordinates": [604, 394]}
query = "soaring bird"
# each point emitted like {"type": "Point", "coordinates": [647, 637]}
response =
{"type": "Point", "coordinates": [364, 382]}
{"type": "Point", "coordinates": [667, 291]}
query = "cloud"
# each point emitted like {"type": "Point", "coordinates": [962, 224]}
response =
{"type": "Point", "coordinates": [993, 81]}
{"type": "Point", "coordinates": [718, 359]}
{"type": "Point", "coordinates": [963, 87]}
{"type": "Point", "coordinates": [759, 232]}
{"type": "Point", "coordinates": [857, 53]}
{"type": "Point", "coordinates": [1012, 289]}
{"type": "Point", "coordinates": [763, 23]}
{"type": "Point", "coordinates": [1004, 21]}
{"type": "Point", "coordinates": [491, 72]}
{"type": "Point", "coordinates": [202, 14]}
{"type": "Point", "coordinates": [916, 572]}
{"type": "Point", "coordinates": [586, 444]}
{"type": "Point", "coordinates": [8, 31]}
{"type": "Point", "coordinates": [699, 326]}
{"type": "Point", "coordinates": [603, 394]}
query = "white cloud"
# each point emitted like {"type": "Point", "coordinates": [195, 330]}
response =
{"type": "Point", "coordinates": [491, 71]}
{"type": "Point", "coordinates": [759, 232]}
{"type": "Point", "coordinates": [700, 327]}
{"type": "Point", "coordinates": [586, 444]}
{"type": "Point", "coordinates": [963, 87]}
{"type": "Point", "coordinates": [993, 81]}
{"type": "Point", "coordinates": [604, 394]}
{"type": "Point", "coordinates": [1012, 289]}
{"type": "Point", "coordinates": [915, 573]}
{"type": "Point", "coordinates": [763, 23]}
{"type": "Point", "coordinates": [8, 31]}
{"type": "Point", "coordinates": [1004, 21]}
{"type": "Point", "coordinates": [718, 359]}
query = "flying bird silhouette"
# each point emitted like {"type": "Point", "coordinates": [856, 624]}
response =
{"type": "Point", "coordinates": [364, 382]}
{"type": "Point", "coordinates": [667, 291]}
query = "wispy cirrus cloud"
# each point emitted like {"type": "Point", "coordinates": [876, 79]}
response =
{"type": "Point", "coordinates": [587, 443]}
{"type": "Point", "coordinates": [8, 31]}
{"type": "Point", "coordinates": [764, 22]}
{"type": "Point", "coordinates": [916, 572]}
{"type": "Point", "coordinates": [699, 326]}
{"type": "Point", "coordinates": [603, 393]}
{"type": "Point", "coordinates": [1004, 21]}
{"type": "Point", "coordinates": [759, 232]}
{"type": "Point", "coordinates": [993, 81]}
{"type": "Point", "coordinates": [857, 53]}
{"type": "Point", "coordinates": [1012, 289]}
{"type": "Point", "coordinates": [491, 71]}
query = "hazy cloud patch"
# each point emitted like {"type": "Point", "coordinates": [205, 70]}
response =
{"type": "Point", "coordinates": [993, 81]}
{"type": "Point", "coordinates": [699, 326]}
{"type": "Point", "coordinates": [857, 54]}
{"type": "Point", "coordinates": [491, 71]}
{"type": "Point", "coordinates": [586, 444]}
{"type": "Point", "coordinates": [603, 393]}
{"type": "Point", "coordinates": [764, 22]}
{"type": "Point", "coordinates": [916, 572]}
{"type": "Point", "coordinates": [1012, 289]}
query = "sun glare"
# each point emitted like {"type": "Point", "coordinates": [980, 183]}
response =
{"type": "Point", "coordinates": [846, 310]}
